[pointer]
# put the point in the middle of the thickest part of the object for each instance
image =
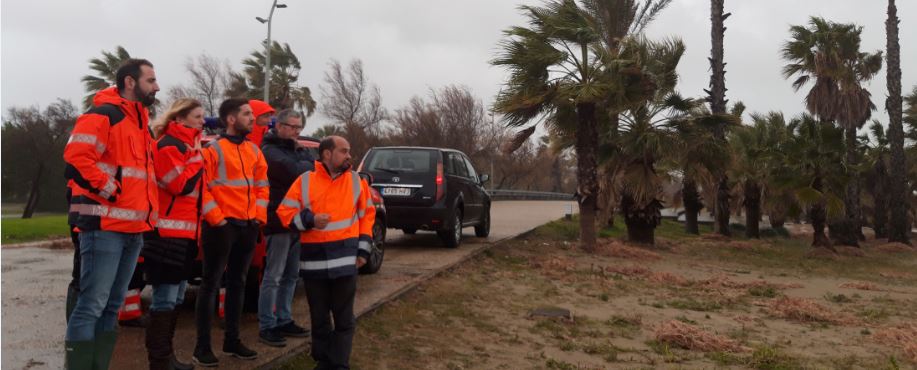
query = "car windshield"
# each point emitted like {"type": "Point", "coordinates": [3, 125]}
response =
{"type": "Point", "coordinates": [400, 161]}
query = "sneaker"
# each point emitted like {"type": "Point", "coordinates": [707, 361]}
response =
{"type": "Point", "coordinates": [239, 350]}
{"type": "Point", "coordinates": [272, 338]}
{"type": "Point", "coordinates": [292, 330]}
{"type": "Point", "coordinates": [205, 358]}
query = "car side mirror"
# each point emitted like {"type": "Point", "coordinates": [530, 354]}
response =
{"type": "Point", "coordinates": [367, 176]}
{"type": "Point", "coordinates": [484, 178]}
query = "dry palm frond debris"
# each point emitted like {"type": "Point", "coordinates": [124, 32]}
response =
{"type": "Point", "coordinates": [862, 285]}
{"type": "Point", "coordinates": [682, 335]}
{"type": "Point", "coordinates": [806, 310]}
{"type": "Point", "coordinates": [903, 336]}
{"type": "Point", "coordinates": [614, 248]}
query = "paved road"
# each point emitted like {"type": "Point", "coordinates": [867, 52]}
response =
{"type": "Point", "coordinates": [34, 285]}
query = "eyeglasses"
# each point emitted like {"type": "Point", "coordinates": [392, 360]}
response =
{"type": "Point", "coordinates": [292, 126]}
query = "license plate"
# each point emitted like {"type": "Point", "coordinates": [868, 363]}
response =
{"type": "Point", "coordinates": [401, 192]}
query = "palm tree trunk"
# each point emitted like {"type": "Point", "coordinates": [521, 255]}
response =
{"type": "Point", "coordinates": [752, 209]}
{"type": "Point", "coordinates": [641, 221]}
{"type": "Point", "coordinates": [587, 142]}
{"type": "Point", "coordinates": [717, 99]}
{"type": "Point", "coordinates": [899, 229]}
{"type": "Point", "coordinates": [818, 215]}
{"type": "Point", "coordinates": [847, 231]}
{"type": "Point", "coordinates": [880, 198]}
{"type": "Point", "coordinates": [693, 205]}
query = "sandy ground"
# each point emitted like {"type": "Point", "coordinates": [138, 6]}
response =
{"type": "Point", "coordinates": [34, 286]}
{"type": "Point", "coordinates": [734, 304]}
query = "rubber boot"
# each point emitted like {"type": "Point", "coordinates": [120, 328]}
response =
{"type": "Point", "coordinates": [79, 354]}
{"type": "Point", "coordinates": [176, 365]}
{"type": "Point", "coordinates": [105, 347]}
{"type": "Point", "coordinates": [158, 341]}
{"type": "Point", "coordinates": [72, 293]}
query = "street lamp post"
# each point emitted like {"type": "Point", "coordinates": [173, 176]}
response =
{"type": "Point", "coordinates": [267, 50]}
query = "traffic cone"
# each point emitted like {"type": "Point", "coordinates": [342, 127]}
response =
{"type": "Point", "coordinates": [130, 310]}
{"type": "Point", "coordinates": [222, 312]}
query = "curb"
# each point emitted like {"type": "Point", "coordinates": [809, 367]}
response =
{"type": "Point", "coordinates": [305, 346]}
{"type": "Point", "coordinates": [58, 243]}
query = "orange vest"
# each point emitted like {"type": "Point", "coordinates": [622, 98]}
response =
{"type": "Point", "coordinates": [108, 159]}
{"type": "Point", "coordinates": [235, 181]}
{"type": "Point", "coordinates": [179, 169]}
{"type": "Point", "coordinates": [332, 251]}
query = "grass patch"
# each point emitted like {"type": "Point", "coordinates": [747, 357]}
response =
{"type": "Point", "coordinates": [19, 230]}
{"type": "Point", "coordinates": [765, 291]}
{"type": "Point", "coordinates": [837, 298]}
{"type": "Point", "coordinates": [772, 358]}
{"type": "Point", "coordinates": [694, 305]}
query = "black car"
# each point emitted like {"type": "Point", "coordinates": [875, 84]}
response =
{"type": "Point", "coordinates": [430, 189]}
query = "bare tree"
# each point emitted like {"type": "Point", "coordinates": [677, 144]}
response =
{"type": "Point", "coordinates": [210, 79]}
{"type": "Point", "coordinates": [354, 104]}
{"type": "Point", "coordinates": [349, 98]}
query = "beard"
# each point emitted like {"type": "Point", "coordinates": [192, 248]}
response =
{"type": "Point", "coordinates": [241, 129]}
{"type": "Point", "coordinates": [144, 98]}
{"type": "Point", "coordinates": [343, 167]}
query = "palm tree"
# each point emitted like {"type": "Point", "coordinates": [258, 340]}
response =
{"type": "Point", "coordinates": [717, 99]}
{"type": "Point", "coordinates": [830, 54]}
{"type": "Point", "coordinates": [559, 72]}
{"type": "Point", "coordinates": [813, 172]}
{"type": "Point", "coordinates": [646, 136]}
{"type": "Point", "coordinates": [899, 229]}
{"type": "Point", "coordinates": [285, 67]}
{"type": "Point", "coordinates": [105, 69]}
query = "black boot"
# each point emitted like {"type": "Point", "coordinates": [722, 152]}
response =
{"type": "Point", "coordinates": [158, 340]}
{"type": "Point", "coordinates": [176, 365]}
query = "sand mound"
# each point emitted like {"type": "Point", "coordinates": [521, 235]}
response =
{"type": "Point", "coordinates": [679, 334]}
{"type": "Point", "coordinates": [903, 336]}
{"type": "Point", "coordinates": [614, 248]}
{"type": "Point", "coordinates": [850, 251]}
{"type": "Point", "coordinates": [894, 248]}
{"type": "Point", "coordinates": [806, 310]}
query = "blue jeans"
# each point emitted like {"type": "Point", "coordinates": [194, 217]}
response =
{"type": "Point", "coordinates": [281, 271]}
{"type": "Point", "coordinates": [107, 262]}
{"type": "Point", "coordinates": [167, 296]}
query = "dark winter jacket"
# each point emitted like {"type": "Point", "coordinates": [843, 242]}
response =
{"type": "Point", "coordinates": [285, 162]}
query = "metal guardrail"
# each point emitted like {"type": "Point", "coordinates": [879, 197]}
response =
{"type": "Point", "coordinates": [502, 194]}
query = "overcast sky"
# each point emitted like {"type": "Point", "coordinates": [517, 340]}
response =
{"type": "Point", "coordinates": [407, 46]}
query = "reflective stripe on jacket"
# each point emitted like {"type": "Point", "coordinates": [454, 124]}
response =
{"type": "Point", "coordinates": [179, 169]}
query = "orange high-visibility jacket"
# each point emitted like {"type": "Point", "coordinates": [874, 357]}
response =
{"type": "Point", "coordinates": [108, 159]}
{"type": "Point", "coordinates": [236, 185]}
{"type": "Point", "coordinates": [330, 252]}
{"type": "Point", "coordinates": [179, 169]}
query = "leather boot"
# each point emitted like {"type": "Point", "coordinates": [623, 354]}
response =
{"type": "Point", "coordinates": [78, 354]}
{"type": "Point", "coordinates": [158, 340]}
{"type": "Point", "coordinates": [176, 365]}
{"type": "Point", "coordinates": [105, 346]}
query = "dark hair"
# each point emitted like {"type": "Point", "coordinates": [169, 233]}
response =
{"type": "Point", "coordinates": [230, 107]}
{"type": "Point", "coordinates": [326, 144]}
{"type": "Point", "coordinates": [130, 67]}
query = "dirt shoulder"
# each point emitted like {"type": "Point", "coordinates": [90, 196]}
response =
{"type": "Point", "coordinates": [689, 302]}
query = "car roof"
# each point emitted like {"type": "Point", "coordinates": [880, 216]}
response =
{"type": "Point", "coordinates": [415, 147]}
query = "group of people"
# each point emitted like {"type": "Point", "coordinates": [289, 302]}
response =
{"type": "Point", "coordinates": [153, 190]}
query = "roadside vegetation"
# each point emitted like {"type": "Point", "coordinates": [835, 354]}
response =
{"type": "Point", "coordinates": [19, 230]}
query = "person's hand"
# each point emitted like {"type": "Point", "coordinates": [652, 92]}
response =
{"type": "Point", "coordinates": [222, 223]}
{"type": "Point", "coordinates": [197, 143]}
{"type": "Point", "coordinates": [321, 220]}
{"type": "Point", "coordinates": [360, 262]}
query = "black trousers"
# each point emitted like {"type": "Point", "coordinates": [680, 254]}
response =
{"type": "Point", "coordinates": [332, 344]}
{"type": "Point", "coordinates": [228, 248]}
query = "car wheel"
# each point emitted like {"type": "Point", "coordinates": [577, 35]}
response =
{"type": "Point", "coordinates": [409, 231]}
{"type": "Point", "coordinates": [482, 230]}
{"type": "Point", "coordinates": [452, 236]}
{"type": "Point", "coordinates": [378, 249]}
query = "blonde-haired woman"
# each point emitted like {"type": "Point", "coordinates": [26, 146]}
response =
{"type": "Point", "coordinates": [169, 250]}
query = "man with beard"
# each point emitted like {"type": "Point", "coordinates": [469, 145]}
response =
{"type": "Point", "coordinates": [114, 201]}
{"type": "Point", "coordinates": [332, 209]}
{"type": "Point", "coordinates": [235, 200]}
